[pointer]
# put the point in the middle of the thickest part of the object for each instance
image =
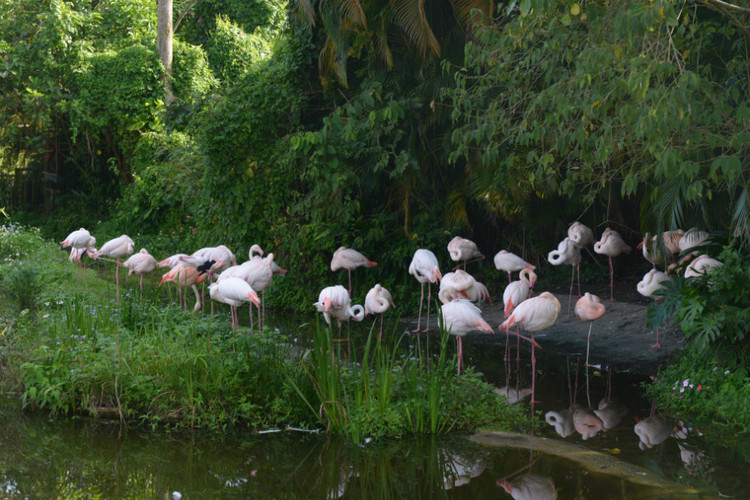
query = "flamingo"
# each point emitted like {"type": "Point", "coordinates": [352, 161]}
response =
{"type": "Point", "coordinates": [185, 276]}
{"type": "Point", "coordinates": [510, 263]}
{"type": "Point", "coordinates": [349, 259]}
{"type": "Point", "coordinates": [568, 252]}
{"type": "Point", "coordinates": [79, 240]}
{"type": "Point", "coordinates": [233, 292]}
{"type": "Point", "coordinates": [454, 285]}
{"type": "Point", "coordinates": [651, 282]}
{"type": "Point", "coordinates": [117, 248]}
{"type": "Point", "coordinates": [140, 263]}
{"type": "Point", "coordinates": [611, 244]}
{"type": "Point", "coordinates": [515, 293]}
{"type": "Point", "coordinates": [214, 259]}
{"type": "Point", "coordinates": [651, 431]}
{"type": "Point", "coordinates": [424, 267]}
{"type": "Point", "coordinates": [581, 234]}
{"type": "Point", "coordinates": [701, 266]}
{"type": "Point", "coordinates": [693, 237]}
{"type": "Point", "coordinates": [589, 308]}
{"type": "Point", "coordinates": [171, 262]}
{"type": "Point", "coordinates": [463, 250]}
{"type": "Point", "coordinates": [335, 301]}
{"type": "Point", "coordinates": [461, 317]}
{"type": "Point", "coordinates": [259, 275]}
{"type": "Point", "coordinates": [378, 301]}
{"type": "Point", "coordinates": [651, 251]}
{"type": "Point", "coordinates": [534, 314]}
{"type": "Point", "coordinates": [253, 250]}
{"type": "Point", "coordinates": [512, 395]}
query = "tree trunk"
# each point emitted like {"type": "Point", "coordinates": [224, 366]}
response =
{"type": "Point", "coordinates": [164, 43]}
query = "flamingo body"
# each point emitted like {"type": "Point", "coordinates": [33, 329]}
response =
{"type": "Point", "coordinates": [651, 431]}
{"type": "Point", "coordinates": [510, 263]}
{"type": "Point", "coordinates": [461, 317]}
{"type": "Point", "coordinates": [562, 421]}
{"type": "Point", "coordinates": [462, 250]}
{"type": "Point", "coordinates": [581, 234]}
{"type": "Point", "coordinates": [586, 423]}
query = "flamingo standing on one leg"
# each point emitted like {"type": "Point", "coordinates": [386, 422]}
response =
{"type": "Point", "coordinates": [589, 308]}
{"type": "Point", "coordinates": [611, 244]}
{"type": "Point", "coordinates": [568, 252]}
{"type": "Point", "coordinates": [349, 259]}
{"type": "Point", "coordinates": [424, 267]}
{"type": "Point", "coordinates": [461, 317]}
{"type": "Point", "coordinates": [651, 282]}
{"type": "Point", "coordinates": [464, 250]}
{"type": "Point", "coordinates": [534, 314]}
{"type": "Point", "coordinates": [140, 263]}
{"type": "Point", "coordinates": [378, 301]}
{"type": "Point", "coordinates": [117, 248]}
{"type": "Point", "coordinates": [510, 263]}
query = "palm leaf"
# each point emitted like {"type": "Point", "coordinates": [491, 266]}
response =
{"type": "Point", "coordinates": [463, 8]}
{"type": "Point", "coordinates": [352, 13]}
{"type": "Point", "coordinates": [304, 9]}
{"type": "Point", "coordinates": [411, 18]}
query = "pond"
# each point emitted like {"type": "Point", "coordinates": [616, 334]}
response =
{"type": "Point", "coordinates": [82, 459]}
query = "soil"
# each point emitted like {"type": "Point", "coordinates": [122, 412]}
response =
{"type": "Point", "coordinates": [619, 339]}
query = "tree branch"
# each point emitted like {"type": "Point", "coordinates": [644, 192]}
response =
{"type": "Point", "coordinates": [726, 6]}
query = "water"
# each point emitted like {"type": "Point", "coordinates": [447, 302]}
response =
{"type": "Point", "coordinates": [41, 458]}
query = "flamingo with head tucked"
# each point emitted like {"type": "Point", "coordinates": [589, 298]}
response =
{"type": "Point", "coordinates": [510, 263]}
{"type": "Point", "coordinates": [378, 301]}
{"type": "Point", "coordinates": [611, 244]}
{"type": "Point", "coordinates": [568, 253]}
{"type": "Point", "coordinates": [349, 259]}
{"type": "Point", "coordinates": [82, 241]}
{"type": "Point", "coordinates": [652, 281]}
{"type": "Point", "coordinates": [464, 250]}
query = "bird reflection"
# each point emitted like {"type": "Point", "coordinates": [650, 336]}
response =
{"type": "Point", "coordinates": [652, 431]}
{"type": "Point", "coordinates": [610, 413]}
{"type": "Point", "coordinates": [586, 423]}
{"type": "Point", "coordinates": [459, 470]}
{"type": "Point", "coordinates": [513, 395]}
{"type": "Point", "coordinates": [530, 486]}
{"type": "Point", "coordinates": [562, 421]}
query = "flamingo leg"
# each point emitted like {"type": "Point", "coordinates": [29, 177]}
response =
{"type": "Point", "coordinates": [421, 301]}
{"type": "Point", "coordinates": [611, 281]}
{"type": "Point", "coordinates": [533, 381]}
{"type": "Point", "coordinates": [507, 342]}
{"type": "Point", "coordinates": [380, 336]}
{"type": "Point", "coordinates": [509, 278]}
{"type": "Point", "coordinates": [579, 278]}
{"type": "Point", "coordinates": [197, 299]}
{"type": "Point", "coordinates": [429, 299]}
{"type": "Point", "coordinates": [141, 286]}
{"type": "Point", "coordinates": [117, 281]}
{"type": "Point", "coordinates": [460, 352]}
{"type": "Point", "coordinates": [350, 282]}
{"type": "Point", "coordinates": [657, 345]}
{"type": "Point", "coordinates": [260, 323]}
{"type": "Point", "coordinates": [570, 294]}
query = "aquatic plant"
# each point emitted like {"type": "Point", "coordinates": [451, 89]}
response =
{"type": "Point", "coordinates": [392, 394]}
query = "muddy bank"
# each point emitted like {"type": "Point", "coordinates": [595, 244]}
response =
{"type": "Point", "coordinates": [620, 338]}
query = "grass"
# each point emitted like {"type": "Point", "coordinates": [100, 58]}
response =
{"type": "Point", "coordinates": [70, 348]}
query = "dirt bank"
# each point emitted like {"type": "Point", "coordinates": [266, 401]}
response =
{"type": "Point", "coordinates": [620, 338]}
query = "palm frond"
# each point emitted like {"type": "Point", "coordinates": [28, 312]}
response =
{"type": "Point", "coordinates": [304, 9]}
{"type": "Point", "coordinates": [411, 18]}
{"type": "Point", "coordinates": [463, 8]}
{"type": "Point", "coordinates": [352, 13]}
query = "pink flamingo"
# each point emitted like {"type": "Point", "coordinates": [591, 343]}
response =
{"type": "Point", "coordinates": [510, 263]}
{"type": "Point", "coordinates": [611, 244]}
{"type": "Point", "coordinates": [79, 240]}
{"type": "Point", "coordinates": [651, 282]}
{"type": "Point", "coordinates": [171, 262]}
{"type": "Point", "coordinates": [461, 317]}
{"type": "Point", "coordinates": [117, 248]}
{"type": "Point", "coordinates": [589, 308]}
{"type": "Point", "coordinates": [185, 276]}
{"type": "Point", "coordinates": [140, 263]}
{"type": "Point", "coordinates": [424, 267]}
{"type": "Point", "coordinates": [233, 292]}
{"type": "Point", "coordinates": [349, 259]}
{"type": "Point", "coordinates": [568, 252]}
{"type": "Point", "coordinates": [334, 301]}
{"type": "Point", "coordinates": [534, 314]}
{"type": "Point", "coordinates": [378, 301]}
{"type": "Point", "coordinates": [515, 293]}
{"type": "Point", "coordinates": [581, 234]}
{"type": "Point", "coordinates": [463, 250]}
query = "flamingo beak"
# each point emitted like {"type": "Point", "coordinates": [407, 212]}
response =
{"type": "Point", "coordinates": [254, 298]}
